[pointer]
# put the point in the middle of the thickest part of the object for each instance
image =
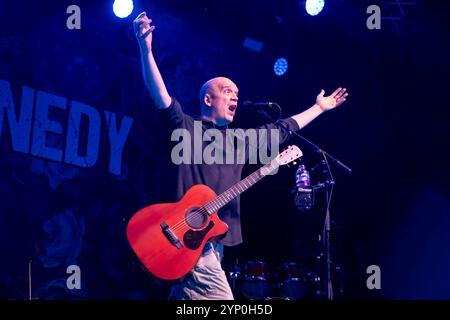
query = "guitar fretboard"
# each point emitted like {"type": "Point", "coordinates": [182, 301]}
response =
{"type": "Point", "coordinates": [235, 190]}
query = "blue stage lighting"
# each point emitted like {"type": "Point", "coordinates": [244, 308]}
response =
{"type": "Point", "coordinates": [314, 7]}
{"type": "Point", "coordinates": [123, 8]}
{"type": "Point", "coordinates": [280, 67]}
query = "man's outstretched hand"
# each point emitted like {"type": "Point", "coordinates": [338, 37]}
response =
{"type": "Point", "coordinates": [332, 101]}
{"type": "Point", "coordinates": [143, 30]}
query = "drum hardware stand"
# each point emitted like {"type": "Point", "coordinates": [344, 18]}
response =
{"type": "Point", "coordinates": [29, 279]}
{"type": "Point", "coordinates": [328, 185]}
{"type": "Point", "coordinates": [234, 275]}
{"type": "Point", "coordinates": [30, 261]}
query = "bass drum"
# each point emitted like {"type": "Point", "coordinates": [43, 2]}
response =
{"type": "Point", "coordinates": [255, 281]}
{"type": "Point", "coordinates": [295, 282]}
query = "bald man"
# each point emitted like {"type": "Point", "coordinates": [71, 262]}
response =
{"type": "Point", "coordinates": [218, 102]}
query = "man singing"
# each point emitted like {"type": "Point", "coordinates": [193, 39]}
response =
{"type": "Point", "coordinates": [218, 103]}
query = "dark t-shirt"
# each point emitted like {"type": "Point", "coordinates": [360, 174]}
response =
{"type": "Point", "coordinates": [218, 176]}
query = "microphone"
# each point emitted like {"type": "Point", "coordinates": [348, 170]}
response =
{"type": "Point", "coordinates": [259, 105]}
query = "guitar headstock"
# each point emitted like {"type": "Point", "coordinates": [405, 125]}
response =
{"type": "Point", "coordinates": [290, 154]}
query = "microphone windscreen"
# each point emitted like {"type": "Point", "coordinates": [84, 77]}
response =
{"type": "Point", "coordinates": [246, 103]}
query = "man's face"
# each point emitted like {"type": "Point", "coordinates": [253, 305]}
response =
{"type": "Point", "coordinates": [222, 98]}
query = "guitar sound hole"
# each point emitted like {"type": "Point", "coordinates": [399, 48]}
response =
{"type": "Point", "coordinates": [195, 218]}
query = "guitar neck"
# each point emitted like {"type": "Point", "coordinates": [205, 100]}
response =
{"type": "Point", "coordinates": [235, 190]}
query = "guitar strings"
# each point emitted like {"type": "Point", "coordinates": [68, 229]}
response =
{"type": "Point", "coordinates": [179, 228]}
{"type": "Point", "coordinates": [258, 174]}
{"type": "Point", "coordinates": [182, 226]}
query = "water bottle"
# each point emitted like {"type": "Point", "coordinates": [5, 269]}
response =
{"type": "Point", "coordinates": [302, 178]}
{"type": "Point", "coordinates": [304, 197]}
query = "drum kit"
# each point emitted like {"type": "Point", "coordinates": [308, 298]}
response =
{"type": "Point", "coordinates": [256, 280]}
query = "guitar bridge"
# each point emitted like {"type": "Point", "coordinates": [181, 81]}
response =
{"type": "Point", "coordinates": [173, 239]}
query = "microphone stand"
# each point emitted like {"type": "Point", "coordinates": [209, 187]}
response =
{"type": "Point", "coordinates": [328, 185]}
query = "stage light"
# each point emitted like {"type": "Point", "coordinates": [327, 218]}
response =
{"type": "Point", "coordinates": [314, 7]}
{"type": "Point", "coordinates": [280, 67]}
{"type": "Point", "coordinates": [123, 8]}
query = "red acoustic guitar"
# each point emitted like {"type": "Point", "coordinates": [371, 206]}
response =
{"type": "Point", "coordinates": [169, 238]}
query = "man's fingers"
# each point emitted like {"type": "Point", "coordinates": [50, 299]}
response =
{"type": "Point", "coordinates": [137, 23]}
{"type": "Point", "coordinates": [340, 93]}
{"type": "Point", "coordinates": [141, 27]}
{"type": "Point", "coordinates": [144, 21]}
{"type": "Point", "coordinates": [334, 94]}
{"type": "Point", "coordinates": [141, 15]}
{"type": "Point", "coordinates": [342, 98]}
{"type": "Point", "coordinates": [146, 33]}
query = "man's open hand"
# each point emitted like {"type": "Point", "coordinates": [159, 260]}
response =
{"type": "Point", "coordinates": [332, 101]}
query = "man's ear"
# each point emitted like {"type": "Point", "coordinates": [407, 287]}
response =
{"type": "Point", "coordinates": [207, 99]}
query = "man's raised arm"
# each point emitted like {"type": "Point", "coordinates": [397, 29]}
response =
{"type": "Point", "coordinates": [152, 77]}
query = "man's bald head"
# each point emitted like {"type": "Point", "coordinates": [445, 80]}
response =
{"type": "Point", "coordinates": [211, 86]}
{"type": "Point", "coordinates": [218, 99]}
